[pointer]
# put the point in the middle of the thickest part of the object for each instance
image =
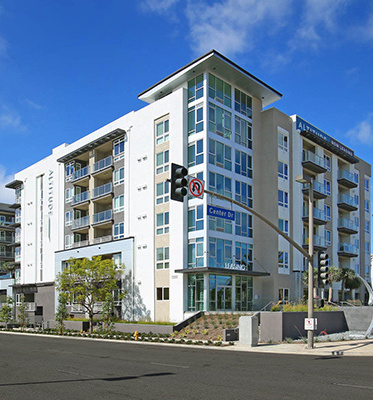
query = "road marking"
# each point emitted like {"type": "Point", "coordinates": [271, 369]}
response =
{"type": "Point", "coordinates": [170, 365]}
{"type": "Point", "coordinates": [354, 386]}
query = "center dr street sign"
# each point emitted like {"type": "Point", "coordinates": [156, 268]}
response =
{"type": "Point", "coordinates": [220, 212]}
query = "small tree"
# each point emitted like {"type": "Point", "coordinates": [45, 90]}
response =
{"type": "Point", "coordinates": [88, 282]}
{"type": "Point", "coordinates": [61, 313]}
{"type": "Point", "coordinates": [335, 275]}
{"type": "Point", "coordinates": [349, 281]}
{"type": "Point", "coordinates": [107, 313]}
{"type": "Point", "coordinates": [6, 313]}
{"type": "Point", "coordinates": [22, 313]}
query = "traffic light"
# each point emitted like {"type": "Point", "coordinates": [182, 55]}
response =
{"type": "Point", "coordinates": [179, 182]}
{"type": "Point", "coordinates": [323, 268]}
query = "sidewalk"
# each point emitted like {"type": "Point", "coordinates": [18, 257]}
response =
{"type": "Point", "coordinates": [363, 347]}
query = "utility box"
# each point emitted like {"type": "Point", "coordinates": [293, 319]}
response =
{"type": "Point", "coordinates": [249, 331]}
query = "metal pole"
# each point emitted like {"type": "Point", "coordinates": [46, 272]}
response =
{"type": "Point", "coordinates": [310, 263]}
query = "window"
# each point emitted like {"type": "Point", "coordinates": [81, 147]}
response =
{"type": "Point", "coordinates": [327, 211]}
{"type": "Point", "coordinates": [118, 148]}
{"type": "Point", "coordinates": [283, 259]}
{"type": "Point", "coordinates": [367, 226]}
{"type": "Point", "coordinates": [328, 237]}
{"type": "Point", "coordinates": [195, 292]}
{"type": "Point", "coordinates": [69, 218]}
{"type": "Point", "coordinates": [220, 224]}
{"type": "Point", "coordinates": [162, 132]}
{"type": "Point", "coordinates": [162, 190]}
{"type": "Point", "coordinates": [117, 259]}
{"type": "Point", "coordinates": [195, 153]}
{"type": "Point", "coordinates": [244, 224]}
{"type": "Point", "coordinates": [118, 176]}
{"type": "Point", "coordinates": [327, 186]}
{"type": "Point", "coordinates": [162, 162]}
{"type": "Point", "coordinates": [283, 170]}
{"type": "Point", "coordinates": [163, 256]}
{"type": "Point", "coordinates": [244, 255]}
{"type": "Point", "coordinates": [220, 91]}
{"type": "Point", "coordinates": [243, 164]}
{"type": "Point", "coordinates": [69, 170]}
{"type": "Point", "coordinates": [243, 133]}
{"type": "Point", "coordinates": [69, 240]}
{"type": "Point", "coordinates": [119, 203]}
{"type": "Point", "coordinates": [367, 247]}
{"type": "Point", "coordinates": [195, 253]}
{"type": "Point", "coordinates": [283, 200]}
{"type": "Point", "coordinates": [366, 205]}
{"type": "Point", "coordinates": [327, 162]}
{"type": "Point", "coordinates": [283, 224]}
{"type": "Point", "coordinates": [366, 184]}
{"type": "Point", "coordinates": [163, 293]}
{"type": "Point", "coordinates": [220, 155]}
{"type": "Point", "coordinates": [220, 252]}
{"type": "Point", "coordinates": [195, 88]}
{"type": "Point", "coordinates": [242, 103]}
{"type": "Point", "coordinates": [356, 200]}
{"type": "Point", "coordinates": [220, 121]}
{"type": "Point", "coordinates": [69, 195]}
{"type": "Point", "coordinates": [284, 295]}
{"type": "Point", "coordinates": [119, 231]}
{"type": "Point", "coordinates": [244, 193]}
{"type": "Point", "coordinates": [282, 141]}
{"type": "Point", "coordinates": [195, 119]}
{"type": "Point", "coordinates": [163, 223]}
{"type": "Point", "coordinates": [220, 184]}
{"type": "Point", "coordinates": [195, 218]}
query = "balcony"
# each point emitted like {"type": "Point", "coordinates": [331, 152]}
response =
{"type": "Point", "coordinates": [319, 217]}
{"type": "Point", "coordinates": [30, 306]}
{"type": "Point", "coordinates": [80, 198]}
{"type": "Point", "coordinates": [103, 239]}
{"type": "Point", "coordinates": [80, 223]}
{"type": "Point", "coordinates": [319, 191]}
{"type": "Point", "coordinates": [80, 174]}
{"type": "Point", "coordinates": [6, 254]}
{"type": "Point", "coordinates": [81, 243]}
{"type": "Point", "coordinates": [347, 179]}
{"type": "Point", "coordinates": [102, 217]}
{"type": "Point", "coordinates": [7, 239]}
{"type": "Point", "coordinates": [102, 191]}
{"type": "Point", "coordinates": [346, 202]}
{"type": "Point", "coordinates": [347, 250]}
{"type": "Point", "coordinates": [347, 226]}
{"type": "Point", "coordinates": [102, 165]}
{"type": "Point", "coordinates": [313, 162]}
{"type": "Point", "coordinates": [319, 242]}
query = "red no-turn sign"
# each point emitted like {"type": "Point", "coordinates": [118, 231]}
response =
{"type": "Point", "coordinates": [196, 188]}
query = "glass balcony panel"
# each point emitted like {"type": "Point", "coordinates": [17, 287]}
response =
{"type": "Point", "coordinates": [347, 248]}
{"type": "Point", "coordinates": [102, 164]}
{"type": "Point", "coordinates": [102, 190]}
{"type": "Point", "coordinates": [102, 216]}
{"type": "Point", "coordinates": [79, 198]}
{"type": "Point", "coordinates": [347, 223]}
{"type": "Point", "coordinates": [81, 173]}
{"type": "Point", "coordinates": [80, 222]}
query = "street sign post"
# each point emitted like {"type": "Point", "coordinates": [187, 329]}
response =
{"type": "Point", "coordinates": [196, 187]}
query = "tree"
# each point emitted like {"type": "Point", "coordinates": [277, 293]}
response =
{"type": "Point", "coordinates": [61, 313]}
{"type": "Point", "coordinates": [88, 282]}
{"type": "Point", "coordinates": [335, 275]}
{"type": "Point", "coordinates": [349, 281]}
{"type": "Point", "coordinates": [22, 313]}
{"type": "Point", "coordinates": [6, 313]}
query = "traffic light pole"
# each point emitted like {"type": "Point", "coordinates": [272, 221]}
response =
{"type": "Point", "coordinates": [310, 264]}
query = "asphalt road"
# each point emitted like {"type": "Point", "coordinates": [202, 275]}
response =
{"type": "Point", "coordinates": [54, 368]}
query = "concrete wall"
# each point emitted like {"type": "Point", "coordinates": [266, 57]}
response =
{"type": "Point", "coordinates": [358, 318]}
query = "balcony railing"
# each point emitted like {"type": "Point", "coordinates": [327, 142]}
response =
{"type": "Point", "coordinates": [347, 249]}
{"type": "Point", "coordinates": [347, 225]}
{"type": "Point", "coordinates": [102, 164]}
{"type": "Point", "coordinates": [347, 202]}
{"type": "Point", "coordinates": [7, 254]}
{"type": "Point", "coordinates": [80, 244]}
{"type": "Point", "coordinates": [102, 190]}
{"type": "Point", "coordinates": [102, 239]}
{"type": "Point", "coordinates": [318, 214]}
{"type": "Point", "coordinates": [102, 216]}
{"type": "Point", "coordinates": [81, 197]}
{"type": "Point", "coordinates": [6, 239]}
{"type": "Point", "coordinates": [318, 241]}
{"type": "Point", "coordinates": [81, 173]}
{"type": "Point", "coordinates": [80, 222]}
{"type": "Point", "coordinates": [348, 179]}
{"type": "Point", "coordinates": [30, 306]}
{"type": "Point", "coordinates": [319, 191]}
{"type": "Point", "coordinates": [313, 162]}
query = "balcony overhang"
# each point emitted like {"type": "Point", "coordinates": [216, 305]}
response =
{"type": "Point", "coordinates": [14, 184]}
{"type": "Point", "coordinates": [216, 63]}
{"type": "Point", "coordinates": [214, 270]}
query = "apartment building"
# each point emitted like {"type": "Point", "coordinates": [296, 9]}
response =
{"type": "Point", "coordinates": [108, 194]}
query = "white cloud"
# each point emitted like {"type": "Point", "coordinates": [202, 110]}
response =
{"type": "Point", "coordinates": [6, 195]}
{"type": "Point", "coordinates": [11, 120]}
{"type": "Point", "coordinates": [230, 26]}
{"type": "Point", "coordinates": [363, 132]}
{"type": "Point", "coordinates": [364, 32]}
{"type": "Point", "coordinates": [34, 105]}
{"type": "Point", "coordinates": [158, 6]}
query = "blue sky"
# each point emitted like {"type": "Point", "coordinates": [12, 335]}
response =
{"type": "Point", "coordinates": [70, 67]}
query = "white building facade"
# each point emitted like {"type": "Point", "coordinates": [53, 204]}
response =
{"type": "Point", "coordinates": [108, 194]}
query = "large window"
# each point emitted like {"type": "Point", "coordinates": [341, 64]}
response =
{"type": "Point", "coordinates": [327, 210]}
{"type": "Point", "coordinates": [244, 224]}
{"type": "Point", "coordinates": [244, 293]}
{"type": "Point", "coordinates": [220, 224]}
{"type": "Point", "coordinates": [195, 218]}
{"type": "Point", "coordinates": [119, 231]}
{"type": "Point", "coordinates": [283, 170]}
{"type": "Point", "coordinates": [244, 255]}
{"type": "Point", "coordinates": [283, 259]}
{"type": "Point", "coordinates": [283, 224]}
{"type": "Point", "coordinates": [220, 91]}
{"type": "Point", "coordinates": [220, 184]}
{"type": "Point", "coordinates": [163, 223]}
{"type": "Point", "coordinates": [119, 176]}
{"type": "Point", "coordinates": [195, 292]}
{"type": "Point", "coordinates": [195, 88]}
{"type": "Point", "coordinates": [243, 132]}
{"type": "Point", "coordinates": [220, 121]}
{"type": "Point", "coordinates": [195, 253]}
{"type": "Point", "coordinates": [162, 192]}
{"type": "Point", "coordinates": [118, 148]}
{"type": "Point", "coordinates": [283, 200]}
{"type": "Point", "coordinates": [119, 203]}
{"type": "Point", "coordinates": [195, 153]}
{"type": "Point", "coordinates": [243, 164]}
{"type": "Point", "coordinates": [243, 103]}
{"type": "Point", "coordinates": [69, 195]}
{"type": "Point", "coordinates": [163, 256]}
{"type": "Point", "coordinates": [327, 186]}
{"type": "Point", "coordinates": [69, 218]}
{"type": "Point", "coordinates": [162, 161]}
{"type": "Point", "coordinates": [220, 155]}
{"type": "Point", "coordinates": [282, 141]}
{"type": "Point", "coordinates": [195, 119]}
{"type": "Point", "coordinates": [162, 132]}
{"type": "Point", "coordinates": [220, 252]}
{"type": "Point", "coordinates": [244, 193]}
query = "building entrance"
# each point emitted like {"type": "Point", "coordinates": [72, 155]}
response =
{"type": "Point", "coordinates": [223, 298]}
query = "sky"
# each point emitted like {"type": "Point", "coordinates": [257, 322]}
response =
{"type": "Point", "coordinates": [69, 67]}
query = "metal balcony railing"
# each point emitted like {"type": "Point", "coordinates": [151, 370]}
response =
{"type": "Point", "coordinates": [102, 190]}
{"type": "Point", "coordinates": [317, 213]}
{"type": "Point", "coordinates": [348, 176]}
{"type": "Point", "coordinates": [347, 248]}
{"type": "Point", "coordinates": [102, 216]}
{"type": "Point", "coordinates": [81, 197]}
{"type": "Point", "coordinates": [312, 158]}
{"type": "Point", "coordinates": [80, 222]}
{"type": "Point", "coordinates": [347, 224]}
{"type": "Point", "coordinates": [346, 199]}
{"type": "Point", "coordinates": [102, 164]}
{"type": "Point", "coordinates": [81, 173]}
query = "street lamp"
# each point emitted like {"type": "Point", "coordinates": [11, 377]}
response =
{"type": "Point", "coordinates": [309, 180]}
